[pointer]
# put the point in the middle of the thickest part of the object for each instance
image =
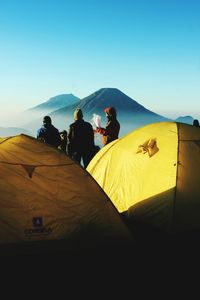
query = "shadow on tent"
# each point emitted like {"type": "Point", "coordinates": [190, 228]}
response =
{"type": "Point", "coordinates": [167, 218]}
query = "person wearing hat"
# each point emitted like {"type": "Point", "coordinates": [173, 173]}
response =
{"type": "Point", "coordinates": [80, 139]}
{"type": "Point", "coordinates": [48, 133]}
{"type": "Point", "coordinates": [111, 131]}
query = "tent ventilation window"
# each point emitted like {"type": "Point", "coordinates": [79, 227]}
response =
{"type": "Point", "coordinates": [29, 169]}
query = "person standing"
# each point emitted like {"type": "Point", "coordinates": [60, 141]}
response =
{"type": "Point", "coordinates": [80, 139]}
{"type": "Point", "coordinates": [111, 131]}
{"type": "Point", "coordinates": [48, 133]}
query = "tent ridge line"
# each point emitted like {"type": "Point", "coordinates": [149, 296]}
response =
{"type": "Point", "coordinates": [6, 139]}
{"type": "Point", "coordinates": [116, 141]}
{"type": "Point", "coordinates": [22, 164]}
{"type": "Point", "coordinates": [174, 200]}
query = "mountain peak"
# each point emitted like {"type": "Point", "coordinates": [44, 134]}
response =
{"type": "Point", "coordinates": [61, 97]}
{"type": "Point", "coordinates": [56, 102]}
{"type": "Point", "coordinates": [112, 95]}
{"type": "Point", "coordinates": [109, 90]}
{"type": "Point", "coordinates": [128, 110]}
{"type": "Point", "coordinates": [185, 119]}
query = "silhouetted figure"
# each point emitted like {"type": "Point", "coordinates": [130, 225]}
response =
{"type": "Point", "coordinates": [64, 140]}
{"type": "Point", "coordinates": [111, 131]}
{"type": "Point", "coordinates": [48, 133]}
{"type": "Point", "coordinates": [80, 139]}
{"type": "Point", "coordinates": [196, 123]}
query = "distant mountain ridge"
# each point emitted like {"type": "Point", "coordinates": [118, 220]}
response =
{"type": "Point", "coordinates": [56, 102]}
{"type": "Point", "coordinates": [129, 111]}
{"type": "Point", "coordinates": [185, 119]}
{"type": "Point", "coordinates": [96, 102]}
{"type": "Point", "coordinates": [33, 117]}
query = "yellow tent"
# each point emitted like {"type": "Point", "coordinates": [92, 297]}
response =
{"type": "Point", "coordinates": [46, 196]}
{"type": "Point", "coordinates": [153, 174]}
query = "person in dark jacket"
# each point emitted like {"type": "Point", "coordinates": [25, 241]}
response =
{"type": "Point", "coordinates": [196, 123]}
{"type": "Point", "coordinates": [111, 131]}
{"type": "Point", "coordinates": [48, 133]}
{"type": "Point", "coordinates": [64, 141]}
{"type": "Point", "coordinates": [80, 139]}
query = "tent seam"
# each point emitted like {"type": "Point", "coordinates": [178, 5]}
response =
{"type": "Point", "coordinates": [22, 164]}
{"type": "Point", "coordinates": [174, 200]}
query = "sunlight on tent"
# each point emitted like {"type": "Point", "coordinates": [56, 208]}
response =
{"type": "Point", "coordinates": [45, 195]}
{"type": "Point", "coordinates": [157, 159]}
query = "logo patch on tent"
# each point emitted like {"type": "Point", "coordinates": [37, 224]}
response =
{"type": "Point", "coordinates": [149, 147]}
{"type": "Point", "coordinates": [37, 222]}
{"type": "Point", "coordinates": [38, 228]}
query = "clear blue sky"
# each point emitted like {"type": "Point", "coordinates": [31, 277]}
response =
{"type": "Point", "coordinates": [150, 50]}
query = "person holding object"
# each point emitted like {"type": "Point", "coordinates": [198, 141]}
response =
{"type": "Point", "coordinates": [111, 131]}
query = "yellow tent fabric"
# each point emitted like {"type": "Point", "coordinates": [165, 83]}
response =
{"type": "Point", "coordinates": [44, 195]}
{"type": "Point", "coordinates": [153, 174]}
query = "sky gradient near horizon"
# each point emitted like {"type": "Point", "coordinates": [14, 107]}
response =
{"type": "Point", "coordinates": [150, 50]}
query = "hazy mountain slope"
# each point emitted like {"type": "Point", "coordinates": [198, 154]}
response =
{"type": "Point", "coordinates": [33, 117]}
{"type": "Point", "coordinates": [55, 103]}
{"type": "Point", "coordinates": [130, 113]}
{"type": "Point", "coordinates": [96, 102]}
{"type": "Point", "coordinates": [11, 131]}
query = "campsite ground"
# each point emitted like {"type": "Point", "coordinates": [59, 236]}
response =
{"type": "Point", "coordinates": [148, 268]}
